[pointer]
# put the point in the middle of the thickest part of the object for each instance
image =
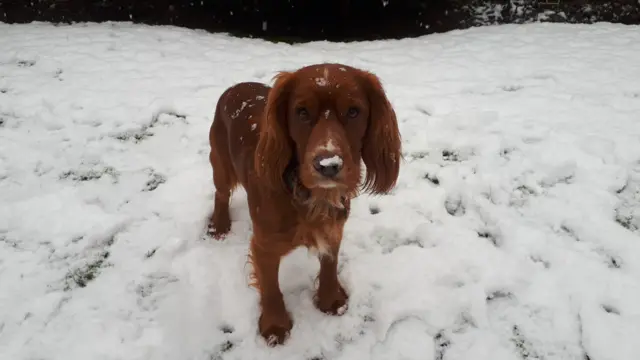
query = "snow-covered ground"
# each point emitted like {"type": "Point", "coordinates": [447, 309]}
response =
{"type": "Point", "coordinates": [512, 234]}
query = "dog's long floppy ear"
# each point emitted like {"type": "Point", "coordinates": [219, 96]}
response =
{"type": "Point", "coordinates": [382, 152]}
{"type": "Point", "coordinates": [274, 148]}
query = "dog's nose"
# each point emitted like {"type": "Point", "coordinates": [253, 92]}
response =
{"type": "Point", "coordinates": [328, 166]}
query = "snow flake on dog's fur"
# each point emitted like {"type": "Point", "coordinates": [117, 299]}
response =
{"type": "Point", "coordinates": [321, 81]}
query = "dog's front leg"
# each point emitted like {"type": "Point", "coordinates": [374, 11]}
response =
{"type": "Point", "coordinates": [275, 322]}
{"type": "Point", "coordinates": [331, 298]}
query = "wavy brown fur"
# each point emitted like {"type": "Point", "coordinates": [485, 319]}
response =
{"type": "Point", "coordinates": [322, 111]}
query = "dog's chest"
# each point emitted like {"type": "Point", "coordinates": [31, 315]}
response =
{"type": "Point", "coordinates": [322, 238]}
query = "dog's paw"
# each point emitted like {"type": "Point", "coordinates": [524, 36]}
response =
{"type": "Point", "coordinates": [333, 302]}
{"type": "Point", "coordinates": [219, 226]}
{"type": "Point", "coordinates": [275, 336]}
{"type": "Point", "coordinates": [275, 329]}
{"type": "Point", "coordinates": [215, 234]}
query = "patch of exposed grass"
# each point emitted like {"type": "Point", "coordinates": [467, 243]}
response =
{"type": "Point", "coordinates": [83, 275]}
{"type": "Point", "coordinates": [90, 174]}
{"type": "Point", "coordinates": [442, 343]}
{"type": "Point", "coordinates": [523, 346]}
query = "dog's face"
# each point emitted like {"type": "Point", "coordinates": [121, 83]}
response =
{"type": "Point", "coordinates": [327, 116]}
{"type": "Point", "coordinates": [330, 117]}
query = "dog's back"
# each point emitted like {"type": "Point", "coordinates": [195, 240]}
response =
{"type": "Point", "coordinates": [235, 128]}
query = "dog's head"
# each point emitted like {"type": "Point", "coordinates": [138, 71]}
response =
{"type": "Point", "coordinates": [329, 117]}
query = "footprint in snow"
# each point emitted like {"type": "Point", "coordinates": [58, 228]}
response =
{"type": "Point", "coordinates": [432, 178]}
{"type": "Point", "coordinates": [451, 155]}
{"type": "Point", "coordinates": [155, 180]}
{"type": "Point", "coordinates": [146, 130]}
{"type": "Point", "coordinates": [493, 238]}
{"type": "Point", "coordinates": [25, 63]}
{"type": "Point", "coordinates": [507, 152]}
{"type": "Point", "coordinates": [539, 260]}
{"type": "Point", "coordinates": [149, 254]}
{"type": "Point", "coordinates": [499, 295]}
{"type": "Point", "coordinates": [512, 88]}
{"type": "Point", "coordinates": [454, 206]}
{"type": "Point", "coordinates": [404, 331]}
{"type": "Point", "coordinates": [226, 329]}
{"type": "Point", "coordinates": [150, 288]}
{"type": "Point", "coordinates": [58, 75]}
{"type": "Point", "coordinates": [610, 309]}
{"type": "Point", "coordinates": [424, 110]}
{"type": "Point", "coordinates": [416, 155]}
{"type": "Point", "coordinates": [221, 349]}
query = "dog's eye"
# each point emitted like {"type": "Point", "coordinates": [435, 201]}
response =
{"type": "Point", "coordinates": [302, 113]}
{"type": "Point", "coordinates": [353, 112]}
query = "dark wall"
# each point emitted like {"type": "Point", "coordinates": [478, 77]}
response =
{"type": "Point", "coordinates": [344, 20]}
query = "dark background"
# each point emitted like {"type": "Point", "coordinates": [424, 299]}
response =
{"type": "Point", "coordinates": [335, 20]}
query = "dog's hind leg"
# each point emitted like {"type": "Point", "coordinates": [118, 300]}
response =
{"type": "Point", "coordinates": [224, 178]}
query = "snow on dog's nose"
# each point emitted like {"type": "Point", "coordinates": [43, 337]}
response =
{"type": "Point", "coordinates": [328, 165]}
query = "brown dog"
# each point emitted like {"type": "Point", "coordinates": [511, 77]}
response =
{"type": "Point", "coordinates": [297, 148]}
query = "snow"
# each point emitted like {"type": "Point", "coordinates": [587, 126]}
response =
{"type": "Point", "coordinates": [331, 161]}
{"type": "Point", "coordinates": [321, 82]}
{"type": "Point", "coordinates": [512, 232]}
